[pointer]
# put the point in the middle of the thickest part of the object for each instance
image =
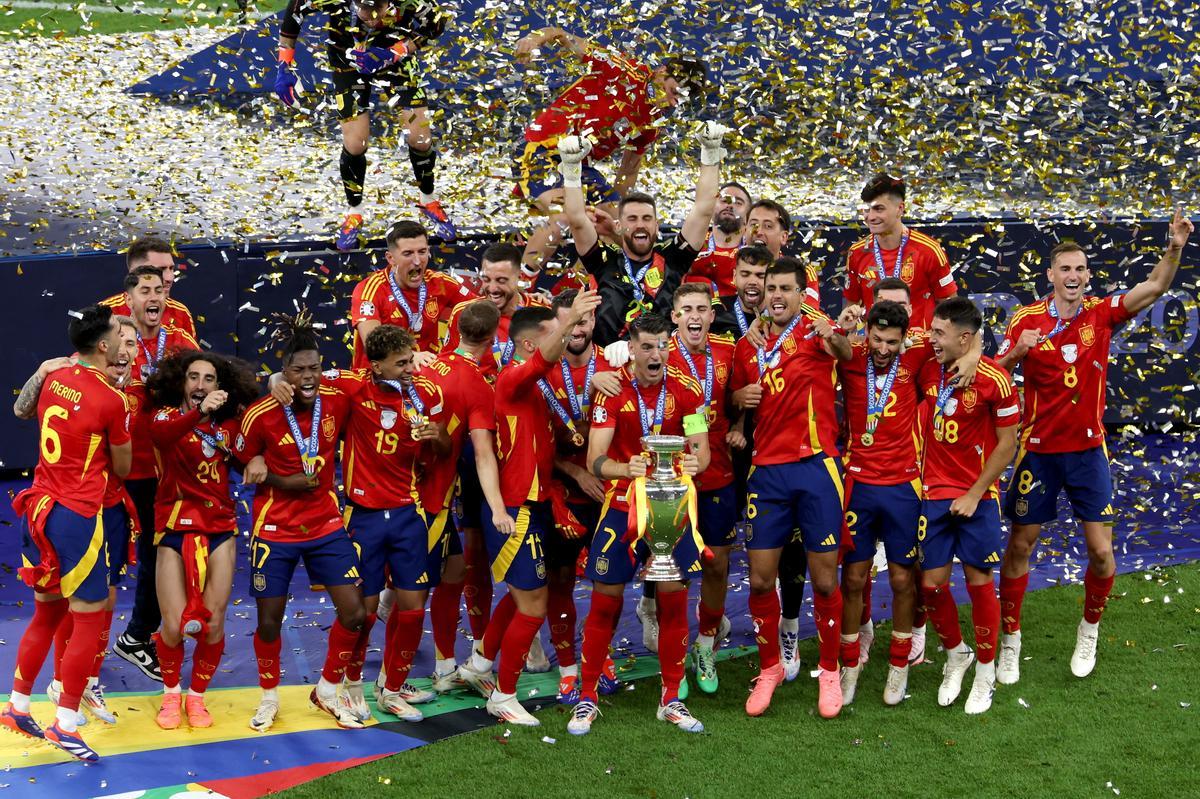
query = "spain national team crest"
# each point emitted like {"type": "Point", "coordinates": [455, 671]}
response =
{"type": "Point", "coordinates": [260, 581]}
{"type": "Point", "coordinates": [431, 309]}
{"type": "Point", "coordinates": [654, 277]}
{"type": "Point", "coordinates": [387, 418]}
{"type": "Point", "coordinates": [670, 406]}
{"type": "Point", "coordinates": [970, 397]}
{"type": "Point", "coordinates": [903, 374]}
{"type": "Point", "coordinates": [1022, 507]}
{"type": "Point", "coordinates": [601, 565]}
{"type": "Point", "coordinates": [1087, 334]}
{"type": "Point", "coordinates": [1070, 352]}
{"type": "Point", "coordinates": [907, 271]}
{"type": "Point", "coordinates": [789, 346]}
{"type": "Point", "coordinates": [328, 428]}
{"type": "Point", "coordinates": [722, 373]}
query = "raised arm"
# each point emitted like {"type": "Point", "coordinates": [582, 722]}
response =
{"type": "Point", "coordinates": [695, 227]}
{"type": "Point", "coordinates": [572, 150]}
{"type": "Point", "coordinates": [1144, 294]}
{"type": "Point", "coordinates": [552, 347]}
{"type": "Point", "coordinates": [536, 40]}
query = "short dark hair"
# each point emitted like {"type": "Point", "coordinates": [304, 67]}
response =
{"type": "Point", "coordinates": [756, 254]}
{"type": "Point", "coordinates": [406, 229]}
{"type": "Point", "coordinates": [135, 275]}
{"type": "Point", "coordinates": [387, 339]}
{"type": "Point", "coordinates": [689, 72]}
{"type": "Point", "coordinates": [883, 183]}
{"type": "Point", "coordinates": [89, 327]}
{"type": "Point", "coordinates": [528, 318]}
{"type": "Point", "coordinates": [564, 299]}
{"type": "Point", "coordinates": [960, 311]}
{"type": "Point", "coordinates": [785, 219]}
{"type": "Point", "coordinates": [789, 266]}
{"type": "Point", "coordinates": [503, 251]}
{"type": "Point", "coordinates": [693, 288]}
{"type": "Point", "coordinates": [887, 314]}
{"type": "Point", "coordinates": [651, 323]}
{"type": "Point", "coordinates": [636, 197]}
{"type": "Point", "coordinates": [890, 284]}
{"type": "Point", "coordinates": [142, 247]}
{"type": "Point", "coordinates": [478, 321]}
{"type": "Point", "coordinates": [733, 184]}
{"type": "Point", "coordinates": [1065, 247]}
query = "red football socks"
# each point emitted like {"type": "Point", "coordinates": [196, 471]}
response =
{"type": "Point", "coordinates": [108, 617]}
{"type": "Point", "coordinates": [598, 631]}
{"type": "Point", "coordinates": [493, 636]}
{"type": "Point", "coordinates": [478, 591]}
{"type": "Point", "coordinates": [850, 652]}
{"type": "Point", "coordinates": [81, 653]}
{"type": "Point", "coordinates": [827, 613]}
{"type": "Point", "coordinates": [764, 614]}
{"type": "Point", "coordinates": [1096, 590]}
{"type": "Point", "coordinates": [355, 668]}
{"type": "Point", "coordinates": [443, 615]}
{"type": "Point", "coordinates": [562, 617]}
{"type": "Point", "coordinates": [48, 618]}
{"type": "Point", "coordinates": [672, 641]}
{"type": "Point", "coordinates": [944, 614]}
{"type": "Point", "coordinates": [709, 619]}
{"type": "Point", "coordinates": [341, 649]}
{"type": "Point", "coordinates": [900, 650]}
{"type": "Point", "coordinates": [205, 660]}
{"type": "Point", "coordinates": [985, 614]}
{"type": "Point", "coordinates": [518, 635]}
{"type": "Point", "coordinates": [267, 654]}
{"type": "Point", "coordinates": [170, 661]}
{"type": "Point", "coordinates": [1012, 594]}
{"type": "Point", "coordinates": [404, 636]}
{"type": "Point", "coordinates": [62, 634]}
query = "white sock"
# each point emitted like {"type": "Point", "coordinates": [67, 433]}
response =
{"type": "Point", "coordinates": [174, 689]}
{"type": "Point", "coordinates": [480, 663]}
{"type": "Point", "coordinates": [901, 636]}
{"type": "Point", "coordinates": [428, 198]}
{"type": "Point", "coordinates": [195, 693]}
{"type": "Point", "coordinates": [1086, 625]}
{"type": "Point", "coordinates": [67, 719]}
{"type": "Point", "coordinates": [56, 685]}
{"type": "Point", "coordinates": [93, 682]}
{"type": "Point", "coordinates": [270, 694]}
{"type": "Point", "coordinates": [568, 671]}
{"type": "Point", "coordinates": [325, 687]}
{"type": "Point", "coordinates": [787, 625]}
{"type": "Point", "coordinates": [706, 640]}
{"type": "Point", "coordinates": [849, 639]}
{"type": "Point", "coordinates": [962, 648]}
{"type": "Point", "coordinates": [1013, 636]}
{"type": "Point", "coordinates": [444, 665]}
{"type": "Point", "coordinates": [869, 627]}
{"type": "Point", "coordinates": [499, 697]}
{"type": "Point", "coordinates": [20, 701]}
{"type": "Point", "coordinates": [986, 670]}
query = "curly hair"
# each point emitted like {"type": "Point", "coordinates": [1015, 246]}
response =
{"type": "Point", "coordinates": [235, 377]}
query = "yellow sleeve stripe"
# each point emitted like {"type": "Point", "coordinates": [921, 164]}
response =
{"type": "Point", "coordinates": [998, 377]}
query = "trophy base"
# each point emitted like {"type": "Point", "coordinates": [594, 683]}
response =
{"type": "Point", "coordinates": [662, 569]}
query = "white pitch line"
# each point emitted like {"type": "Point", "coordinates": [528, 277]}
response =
{"type": "Point", "coordinates": [132, 8]}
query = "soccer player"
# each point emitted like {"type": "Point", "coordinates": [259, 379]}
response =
{"type": "Point", "coordinates": [638, 276]}
{"type": "Point", "coordinates": [469, 414]}
{"type": "Point", "coordinates": [655, 399]}
{"type": "Point", "coordinates": [582, 373]}
{"type": "Point", "coordinates": [290, 451]}
{"type": "Point", "coordinates": [407, 293]}
{"type": "Point", "coordinates": [515, 532]}
{"type": "Point", "coordinates": [1063, 342]}
{"type": "Point", "coordinates": [145, 295]}
{"type": "Point", "coordinates": [770, 225]}
{"type": "Point", "coordinates": [372, 46]}
{"type": "Point", "coordinates": [200, 396]}
{"type": "Point", "coordinates": [734, 318]}
{"type": "Point", "coordinates": [796, 481]}
{"type": "Point", "coordinates": [970, 438]}
{"type": "Point", "coordinates": [709, 360]}
{"type": "Point", "coordinates": [619, 103]}
{"type": "Point", "coordinates": [895, 250]}
{"type": "Point", "coordinates": [717, 264]}
{"type": "Point", "coordinates": [84, 436]}
{"type": "Point", "coordinates": [152, 251]}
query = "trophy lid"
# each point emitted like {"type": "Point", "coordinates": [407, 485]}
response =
{"type": "Point", "coordinates": [664, 443]}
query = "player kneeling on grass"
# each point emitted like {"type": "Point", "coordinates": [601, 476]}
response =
{"type": "Point", "coordinates": [200, 396]}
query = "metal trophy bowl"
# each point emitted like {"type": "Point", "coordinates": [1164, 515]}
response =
{"type": "Point", "coordinates": [666, 496]}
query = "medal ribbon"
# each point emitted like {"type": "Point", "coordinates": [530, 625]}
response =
{"type": "Point", "coordinates": [765, 357]}
{"type": "Point", "coordinates": [578, 408]}
{"type": "Point", "coordinates": [556, 406]}
{"type": "Point", "coordinates": [308, 448]}
{"type": "Point", "coordinates": [876, 403]}
{"type": "Point", "coordinates": [638, 293]}
{"type": "Point", "coordinates": [414, 407]}
{"type": "Point", "coordinates": [414, 318]}
{"type": "Point", "coordinates": [1060, 324]}
{"type": "Point", "coordinates": [152, 360]}
{"type": "Point", "coordinates": [708, 368]}
{"type": "Point", "coordinates": [943, 396]}
{"type": "Point", "coordinates": [659, 406]}
{"type": "Point", "coordinates": [879, 256]}
{"type": "Point", "coordinates": [212, 439]}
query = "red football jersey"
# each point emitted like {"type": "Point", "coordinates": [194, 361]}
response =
{"type": "Point", "coordinates": [796, 417]}
{"type": "Point", "coordinates": [715, 267]}
{"type": "Point", "coordinates": [193, 490]}
{"type": "Point", "coordinates": [175, 314]}
{"type": "Point", "coordinates": [925, 269]}
{"type": "Point", "coordinates": [610, 104]}
{"type": "Point", "coordinates": [893, 456]}
{"type": "Point", "coordinates": [720, 466]}
{"type": "Point", "coordinates": [1066, 376]}
{"type": "Point", "coordinates": [145, 463]}
{"type": "Point", "coordinates": [622, 414]}
{"type": "Point", "coordinates": [468, 403]}
{"type": "Point", "coordinates": [373, 300]}
{"type": "Point", "coordinates": [149, 351]}
{"type": "Point", "coordinates": [281, 515]}
{"type": "Point", "coordinates": [501, 352]}
{"type": "Point", "coordinates": [567, 448]}
{"type": "Point", "coordinates": [959, 441]}
{"type": "Point", "coordinates": [382, 465]}
{"type": "Point", "coordinates": [524, 434]}
{"type": "Point", "coordinates": [80, 416]}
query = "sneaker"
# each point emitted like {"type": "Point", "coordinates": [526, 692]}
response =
{"type": "Point", "coordinates": [1083, 659]}
{"type": "Point", "coordinates": [93, 701]}
{"type": "Point", "coordinates": [866, 637]}
{"type": "Point", "coordinates": [341, 714]}
{"type": "Point", "coordinates": [197, 713]}
{"type": "Point", "coordinates": [537, 662]}
{"type": "Point", "coordinates": [416, 696]}
{"type": "Point", "coordinates": [764, 688]}
{"type": "Point", "coordinates": [439, 220]}
{"type": "Point", "coordinates": [684, 688]}
{"type": "Point", "coordinates": [724, 630]}
{"type": "Point", "coordinates": [917, 655]}
{"type": "Point", "coordinates": [646, 614]}
{"type": "Point", "coordinates": [169, 717]}
{"type": "Point", "coordinates": [347, 237]}
{"type": "Point", "coordinates": [705, 661]}
{"type": "Point", "coordinates": [483, 682]}
{"type": "Point", "coordinates": [957, 663]}
{"type": "Point", "coordinates": [896, 686]}
{"type": "Point", "coordinates": [568, 689]}
{"type": "Point", "coordinates": [849, 681]}
{"type": "Point", "coordinates": [829, 696]}
{"type": "Point", "coordinates": [140, 653]}
{"type": "Point", "coordinates": [582, 717]}
{"type": "Point", "coordinates": [979, 700]}
{"type": "Point", "coordinates": [393, 702]}
{"type": "Point", "coordinates": [54, 694]}
{"type": "Point", "coordinates": [510, 710]}
{"type": "Point", "coordinates": [71, 743]}
{"type": "Point", "coordinates": [1008, 662]}
{"type": "Point", "coordinates": [264, 717]}
{"type": "Point", "coordinates": [355, 700]}
{"type": "Point", "coordinates": [677, 713]}
{"type": "Point", "coordinates": [20, 723]}
{"type": "Point", "coordinates": [608, 684]}
{"type": "Point", "coordinates": [789, 656]}
{"type": "Point", "coordinates": [445, 682]}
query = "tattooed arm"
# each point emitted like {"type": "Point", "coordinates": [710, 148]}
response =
{"type": "Point", "coordinates": [26, 405]}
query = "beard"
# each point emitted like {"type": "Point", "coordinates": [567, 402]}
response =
{"type": "Point", "coordinates": [729, 224]}
{"type": "Point", "coordinates": [632, 246]}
